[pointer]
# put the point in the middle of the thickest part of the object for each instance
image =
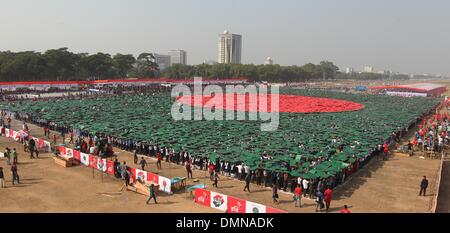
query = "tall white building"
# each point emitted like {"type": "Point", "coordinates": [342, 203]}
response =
{"type": "Point", "coordinates": [349, 70]}
{"type": "Point", "coordinates": [230, 48]}
{"type": "Point", "coordinates": [368, 69]}
{"type": "Point", "coordinates": [178, 57]}
{"type": "Point", "coordinates": [163, 61]}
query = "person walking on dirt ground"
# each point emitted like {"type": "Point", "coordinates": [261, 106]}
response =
{"type": "Point", "coordinates": [36, 151]}
{"type": "Point", "coordinates": [31, 146]}
{"type": "Point", "coordinates": [143, 163]}
{"type": "Point", "coordinates": [15, 159]}
{"type": "Point", "coordinates": [54, 139]}
{"type": "Point", "coordinates": [46, 132]}
{"type": "Point", "coordinates": [158, 161]}
{"type": "Point", "coordinates": [328, 193]}
{"type": "Point", "coordinates": [135, 157]}
{"type": "Point", "coordinates": [247, 182]}
{"type": "Point", "coordinates": [298, 196]}
{"type": "Point", "coordinates": [2, 178]}
{"type": "Point", "coordinates": [126, 178]}
{"type": "Point", "coordinates": [211, 171]}
{"type": "Point", "coordinates": [423, 186]}
{"type": "Point", "coordinates": [216, 180]}
{"type": "Point", "coordinates": [8, 156]}
{"type": "Point", "coordinates": [319, 200]}
{"type": "Point", "coordinates": [152, 194]}
{"type": "Point", "coordinates": [274, 193]}
{"type": "Point", "coordinates": [188, 170]}
{"type": "Point", "coordinates": [15, 174]}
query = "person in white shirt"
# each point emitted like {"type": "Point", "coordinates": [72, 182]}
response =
{"type": "Point", "coordinates": [305, 187]}
{"type": "Point", "coordinates": [239, 168]}
{"type": "Point", "coordinates": [246, 170]}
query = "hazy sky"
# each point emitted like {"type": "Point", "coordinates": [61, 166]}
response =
{"type": "Point", "coordinates": [399, 35]}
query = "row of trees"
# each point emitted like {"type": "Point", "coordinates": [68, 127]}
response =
{"type": "Point", "coordinates": [271, 73]}
{"type": "Point", "coordinates": [61, 64]}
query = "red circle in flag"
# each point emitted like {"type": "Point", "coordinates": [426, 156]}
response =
{"type": "Point", "coordinates": [287, 103]}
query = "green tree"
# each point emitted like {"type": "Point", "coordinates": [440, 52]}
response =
{"type": "Point", "coordinates": [123, 63]}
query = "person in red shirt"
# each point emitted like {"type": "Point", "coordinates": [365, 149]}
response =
{"type": "Point", "coordinates": [211, 171]}
{"type": "Point", "coordinates": [298, 196]}
{"type": "Point", "coordinates": [189, 170]}
{"type": "Point", "coordinates": [345, 210]}
{"type": "Point", "coordinates": [46, 131]}
{"type": "Point", "coordinates": [158, 162]}
{"type": "Point", "coordinates": [385, 151]}
{"type": "Point", "coordinates": [327, 198]}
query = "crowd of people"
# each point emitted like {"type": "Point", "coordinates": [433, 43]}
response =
{"type": "Point", "coordinates": [320, 189]}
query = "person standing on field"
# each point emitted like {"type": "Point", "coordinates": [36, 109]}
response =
{"type": "Point", "coordinates": [189, 170]}
{"type": "Point", "coordinates": [8, 156]}
{"type": "Point", "coordinates": [15, 174]}
{"type": "Point", "coordinates": [15, 159]}
{"type": "Point", "coordinates": [143, 163]}
{"type": "Point", "coordinates": [298, 196]}
{"type": "Point", "coordinates": [328, 192]}
{"type": "Point", "coordinates": [247, 182]}
{"type": "Point", "coordinates": [423, 186]}
{"type": "Point", "coordinates": [152, 194]}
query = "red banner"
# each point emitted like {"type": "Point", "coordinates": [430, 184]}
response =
{"type": "Point", "coordinates": [62, 150]}
{"type": "Point", "coordinates": [92, 161]}
{"type": "Point", "coordinates": [110, 167]}
{"type": "Point", "coordinates": [76, 155]}
{"type": "Point", "coordinates": [203, 197]}
{"type": "Point", "coordinates": [133, 172]}
{"type": "Point", "coordinates": [152, 178]}
{"type": "Point", "coordinates": [236, 205]}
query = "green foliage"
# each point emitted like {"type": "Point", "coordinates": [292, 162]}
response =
{"type": "Point", "coordinates": [63, 65]}
{"type": "Point", "coordinates": [269, 73]}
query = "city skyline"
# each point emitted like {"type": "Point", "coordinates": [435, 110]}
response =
{"type": "Point", "coordinates": [376, 33]}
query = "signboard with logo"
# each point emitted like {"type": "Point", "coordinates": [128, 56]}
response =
{"type": "Point", "coordinates": [219, 201]}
